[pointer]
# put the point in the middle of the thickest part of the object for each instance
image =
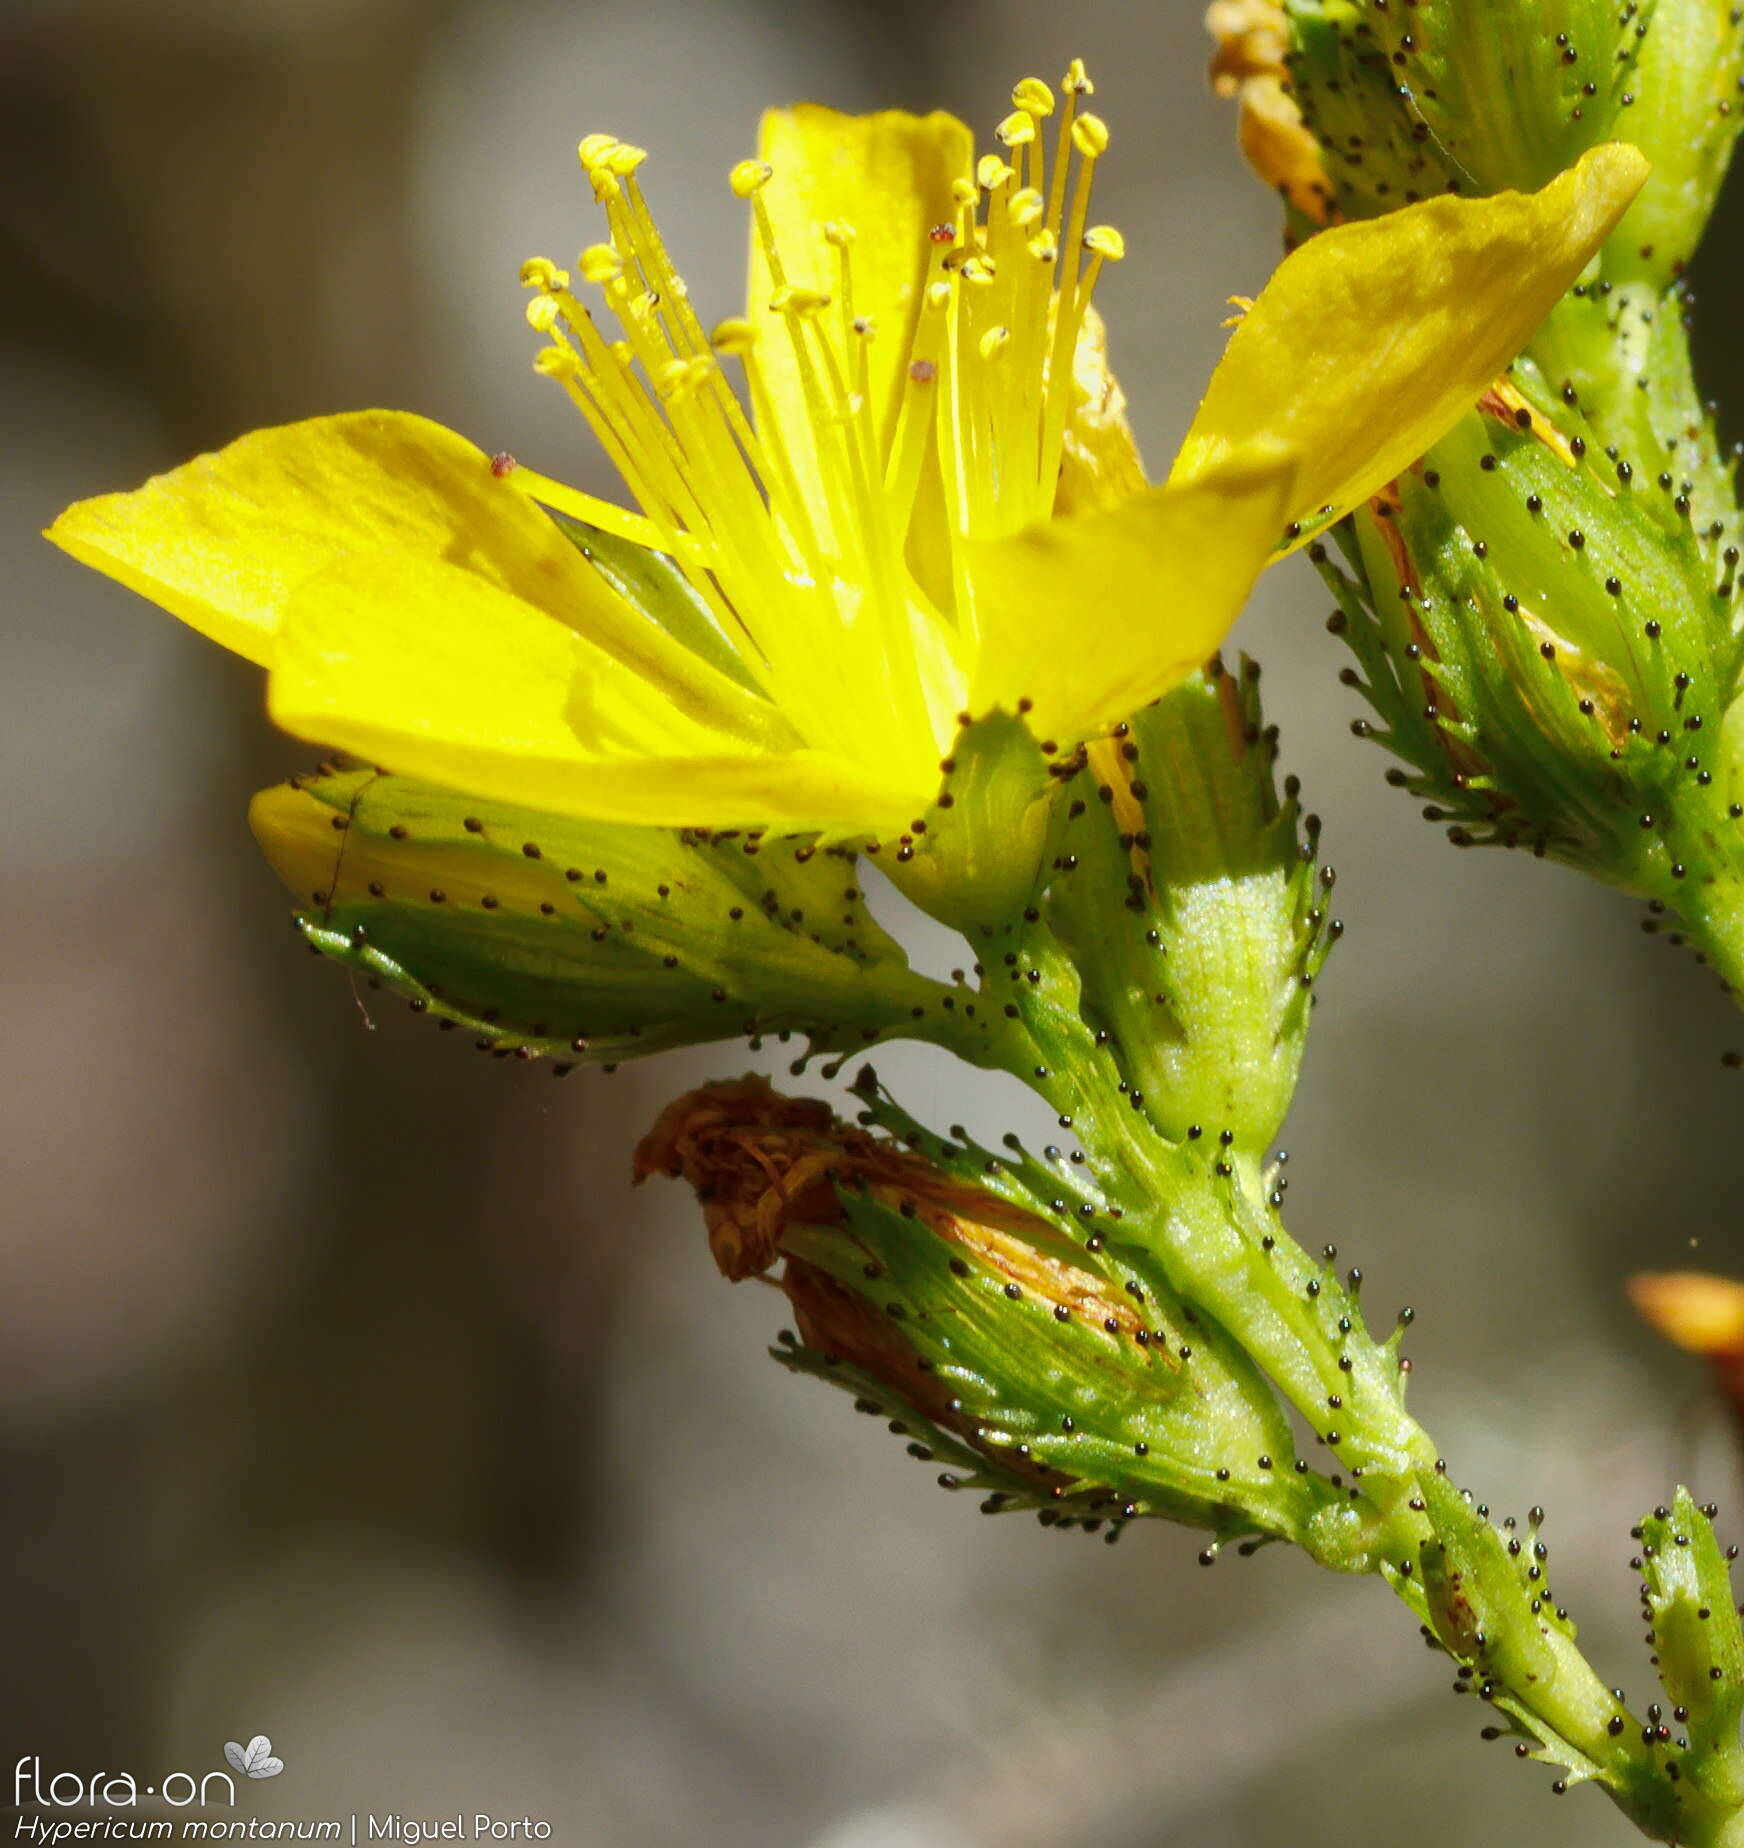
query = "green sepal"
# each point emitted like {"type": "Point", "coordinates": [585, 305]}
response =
{"type": "Point", "coordinates": [1200, 980]}
{"type": "Point", "coordinates": [1610, 368]}
{"type": "Point", "coordinates": [1472, 96]}
{"type": "Point", "coordinates": [1004, 1490]}
{"type": "Point", "coordinates": [1687, 1588]}
{"type": "Point", "coordinates": [585, 940]}
{"type": "Point", "coordinates": [1685, 118]}
{"type": "Point", "coordinates": [1154, 1417]}
{"type": "Point", "coordinates": [975, 858]}
{"type": "Point", "coordinates": [1489, 1604]}
{"type": "Point", "coordinates": [1154, 1222]}
{"type": "Point", "coordinates": [1483, 1602]}
{"type": "Point", "coordinates": [653, 583]}
{"type": "Point", "coordinates": [1549, 648]}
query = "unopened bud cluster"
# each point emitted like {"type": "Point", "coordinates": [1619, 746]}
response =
{"type": "Point", "coordinates": [1545, 610]}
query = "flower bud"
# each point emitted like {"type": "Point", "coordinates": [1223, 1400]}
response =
{"type": "Point", "coordinates": [1045, 1368]}
{"type": "Point", "coordinates": [1202, 992]}
{"type": "Point", "coordinates": [583, 941]}
{"type": "Point", "coordinates": [1543, 615]}
{"type": "Point", "coordinates": [1488, 1606]}
{"type": "Point", "coordinates": [1473, 96]}
{"type": "Point", "coordinates": [1687, 87]}
{"type": "Point", "coordinates": [1686, 1587]}
{"type": "Point", "coordinates": [1352, 108]}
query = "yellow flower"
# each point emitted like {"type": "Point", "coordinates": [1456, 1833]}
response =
{"type": "Point", "coordinates": [1699, 1313]}
{"type": "Point", "coordinates": [1703, 1315]}
{"type": "Point", "coordinates": [898, 489]}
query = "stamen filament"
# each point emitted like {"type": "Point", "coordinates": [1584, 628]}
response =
{"type": "Point", "coordinates": [798, 506]}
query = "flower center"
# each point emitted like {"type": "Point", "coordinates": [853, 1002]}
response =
{"type": "Point", "coordinates": [820, 526]}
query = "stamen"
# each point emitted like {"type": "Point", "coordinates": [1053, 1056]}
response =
{"type": "Point", "coordinates": [1033, 96]}
{"type": "Point", "coordinates": [1090, 139]}
{"type": "Point", "coordinates": [796, 518]}
{"type": "Point", "coordinates": [542, 273]}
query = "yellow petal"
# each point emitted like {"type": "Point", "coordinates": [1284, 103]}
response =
{"type": "Point", "coordinates": [1373, 339]}
{"type": "Point", "coordinates": [430, 670]}
{"type": "Point", "coordinates": [1696, 1312]}
{"type": "Point", "coordinates": [227, 540]}
{"type": "Point", "coordinates": [1099, 462]}
{"type": "Point", "coordinates": [1091, 617]}
{"type": "Point", "coordinates": [224, 541]}
{"type": "Point", "coordinates": [889, 176]}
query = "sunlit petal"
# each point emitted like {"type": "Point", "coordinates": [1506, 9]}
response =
{"type": "Point", "coordinates": [430, 671]}
{"type": "Point", "coordinates": [1091, 617]}
{"type": "Point", "coordinates": [1373, 339]}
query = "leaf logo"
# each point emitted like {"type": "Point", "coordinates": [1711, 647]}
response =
{"type": "Point", "coordinates": [254, 1759]}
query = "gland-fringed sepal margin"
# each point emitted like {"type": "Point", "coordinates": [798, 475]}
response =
{"type": "Point", "coordinates": [590, 941]}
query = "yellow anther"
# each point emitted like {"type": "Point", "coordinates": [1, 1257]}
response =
{"type": "Point", "coordinates": [938, 295]}
{"type": "Point", "coordinates": [600, 264]}
{"type": "Point", "coordinates": [978, 270]}
{"type": "Point", "coordinates": [992, 341]}
{"type": "Point", "coordinates": [799, 301]}
{"type": "Point", "coordinates": [1025, 207]}
{"type": "Point", "coordinates": [679, 378]}
{"type": "Point", "coordinates": [839, 233]}
{"type": "Point", "coordinates": [1090, 136]}
{"type": "Point", "coordinates": [1044, 247]}
{"type": "Point", "coordinates": [556, 362]}
{"type": "Point", "coordinates": [736, 335]}
{"type": "Point", "coordinates": [864, 326]}
{"type": "Point", "coordinates": [543, 314]}
{"type": "Point", "coordinates": [1105, 241]}
{"type": "Point", "coordinates": [1034, 96]}
{"type": "Point", "coordinates": [605, 185]}
{"type": "Point", "coordinates": [750, 176]}
{"type": "Point", "coordinates": [624, 159]}
{"type": "Point", "coordinates": [964, 193]}
{"type": "Point", "coordinates": [991, 172]}
{"type": "Point", "coordinates": [594, 149]}
{"type": "Point", "coordinates": [1017, 128]}
{"type": "Point", "coordinates": [542, 273]}
{"type": "Point", "coordinates": [1077, 79]}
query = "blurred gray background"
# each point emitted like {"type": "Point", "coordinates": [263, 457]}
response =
{"type": "Point", "coordinates": [347, 1391]}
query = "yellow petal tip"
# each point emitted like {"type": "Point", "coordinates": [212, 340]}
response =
{"type": "Point", "coordinates": [1696, 1312]}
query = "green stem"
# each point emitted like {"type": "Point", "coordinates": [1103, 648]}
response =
{"type": "Point", "coordinates": [1478, 1589]}
{"type": "Point", "coordinates": [1206, 1216]}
